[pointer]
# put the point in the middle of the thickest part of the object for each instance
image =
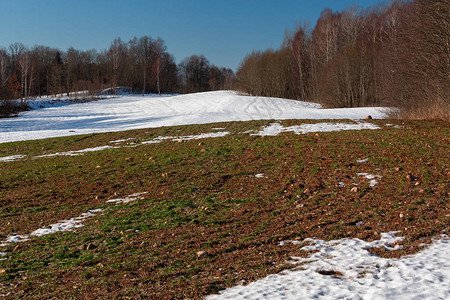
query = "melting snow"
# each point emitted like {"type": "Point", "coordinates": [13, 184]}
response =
{"type": "Point", "coordinates": [371, 177]}
{"type": "Point", "coordinates": [77, 152]}
{"type": "Point", "coordinates": [121, 141]}
{"type": "Point", "coordinates": [101, 148]}
{"type": "Point", "coordinates": [201, 136]}
{"type": "Point", "coordinates": [358, 274]}
{"type": "Point", "coordinates": [260, 175]}
{"type": "Point", "coordinates": [187, 137]}
{"type": "Point", "coordinates": [11, 158]}
{"type": "Point", "coordinates": [66, 225]}
{"type": "Point", "coordinates": [276, 128]}
{"type": "Point", "coordinates": [14, 239]}
{"type": "Point", "coordinates": [127, 199]}
{"type": "Point", "coordinates": [362, 161]}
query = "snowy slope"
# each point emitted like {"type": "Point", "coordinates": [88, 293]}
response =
{"type": "Point", "coordinates": [134, 112]}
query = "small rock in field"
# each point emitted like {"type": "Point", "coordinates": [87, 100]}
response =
{"type": "Point", "coordinates": [203, 150]}
{"type": "Point", "coordinates": [401, 215]}
{"type": "Point", "coordinates": [2, 271]}
{"type": "Point", "coordinates": [354, 189]}
{"type": "Point", "coordinates": [201, 253]}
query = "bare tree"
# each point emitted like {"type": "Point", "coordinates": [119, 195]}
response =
{"type": "Point", "coordinates": [195, 70]}
{"type": "Point", "coordinates": [4, 72]}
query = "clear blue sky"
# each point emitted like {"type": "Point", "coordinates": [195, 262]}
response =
{"type": "Point", "coordinates": [224, 31]}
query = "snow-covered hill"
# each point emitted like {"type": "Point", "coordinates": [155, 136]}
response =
{"type": "Point", "coordinates": [134, 112]}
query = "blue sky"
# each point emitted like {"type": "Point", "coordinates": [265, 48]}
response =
{"type": "Point", "coordinates": [224, 31]}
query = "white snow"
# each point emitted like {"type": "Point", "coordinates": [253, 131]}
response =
{"type": "Point", "coordinates": [187, 137]}
{"type": "Point", "coordinates": [128, 198]}
{"type": "Point", "coordinates": [362, 161]}
{"type": "Point", "coordinates": [371, 177]}
{"type": "Point", "coordinates": [134, 112]}
{"type": "Point", "coordinates": [121, 141]}
{"type": "Point", "coordinates": [276, 128]}
{"type": "Point", "coordinates": [101, 148]}
{"type": "Point", "coordinates": [260, 175]}
{"type": "Point", "coordinates": [201, 136]}
{"type": "Point", "coordinates": [11, 158]}
{"type": "Point", "coordinates": [66, 225]}
{"type": "Point", "coordinates": [77, 152]}
{"type": "Point", "coordinates": [14, 239]}
{"type": "Point", "coordinates": [359, 274]}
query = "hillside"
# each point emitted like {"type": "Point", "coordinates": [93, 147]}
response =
{"type": "Point", "coordinates": [134, 112]}
{"type": "Point", "coordinates": [187, 211]}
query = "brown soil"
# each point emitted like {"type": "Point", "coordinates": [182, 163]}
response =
{"type": "Point", "coordinates": [226, 241]}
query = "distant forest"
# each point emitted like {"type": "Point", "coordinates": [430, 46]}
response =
{"type": "Point", "coordinates": [394, 54]}
{"type": "Point", "coordinates": [142, 64]}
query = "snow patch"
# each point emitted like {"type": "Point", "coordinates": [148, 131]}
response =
{"type": "Point", "coordinates": [66, 225]}
{"type": "Point", "coordinates": [127, 199]}
{"type": "Point", "coordinates": [11, 158]}
{"type": "Point", "coordinates": [371, 177]}
{"type": "Point", "coordinates": [356, 273]}
{"type": "Point", "coordinates": [77, 152]}
{"type": "Point", "coordinates": [187, 137]}
{"type": "Point", "coordinates": [201, 136]}
{"type": "Point", "coordinates": [121, 141]}
{"type": "Point", "coordinates": [275, 129]}
{"type": "Point", "coordinates": [14, 239]}
{"type": "Point", "coordinates": [260, 176]}
{"type": "Point", "coordinates": [362, 161]}
{"type": "Point", "coordinates": [101, 148]}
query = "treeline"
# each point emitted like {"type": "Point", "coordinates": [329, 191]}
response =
{"type": "Point", "coordinates": [393, 54]}
{"type": "Point", "coordinates": [142, 64]}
